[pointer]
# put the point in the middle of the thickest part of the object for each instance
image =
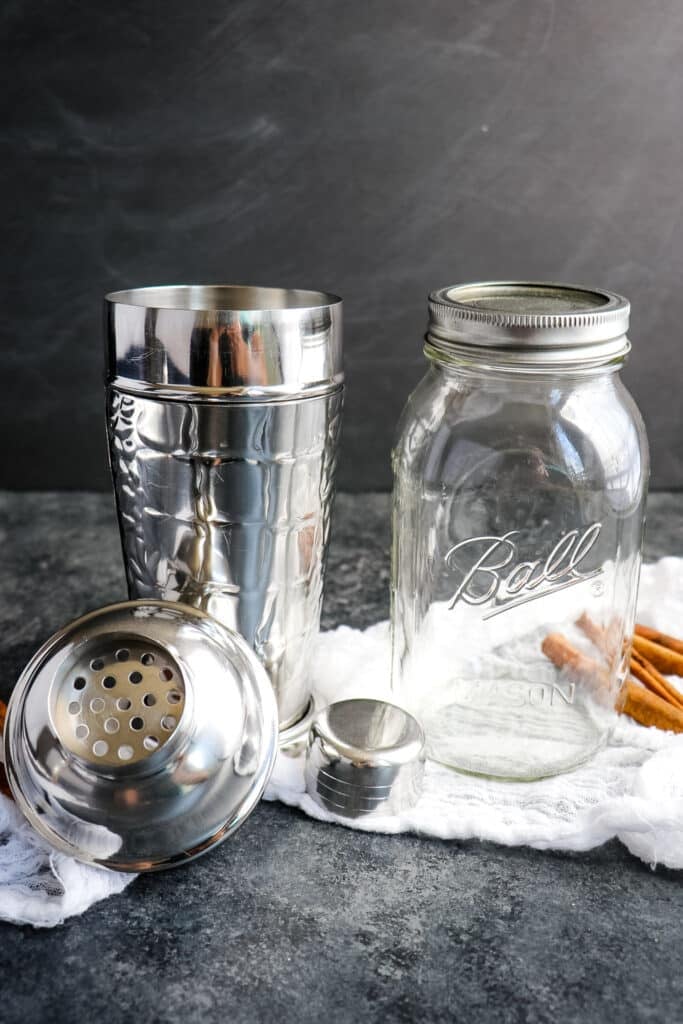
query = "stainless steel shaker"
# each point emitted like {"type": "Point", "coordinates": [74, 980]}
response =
{"type": "Point", "coordinates": [223, 409]}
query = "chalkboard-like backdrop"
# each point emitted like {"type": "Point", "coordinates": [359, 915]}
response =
{"type": "Point", "coordinates": [376, 148]}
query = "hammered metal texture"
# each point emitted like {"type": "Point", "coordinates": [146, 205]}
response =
{"type": "Point", "coordinates": [227, 507]}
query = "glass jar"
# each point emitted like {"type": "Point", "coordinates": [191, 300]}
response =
{"type": "Point", "coordinates": [520, 476]}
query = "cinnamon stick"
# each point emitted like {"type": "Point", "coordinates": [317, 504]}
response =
{"type": "Point", "coordinates": [557, 649]}
{"type": "Point", "coordinates": [667, 661]}
{"type": "Point", "coordinates": [659, 638]}
{"type": "Point", "coordinates": [641, 668]}
{"type": "Point", "coordinates": [606, 639]}
{"type": "Point", "coordinates": [649, 709]}
{"type": "Point", "coordinates": [648, 675]}
{"type": "Point", "coordinates": [596, 634]}
{"type": "Point", "coordinates": [658, 705]}
{"type": "Point", "coordinates": [4, 785]}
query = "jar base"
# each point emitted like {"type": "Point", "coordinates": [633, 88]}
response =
{"type": "Point", "coordinates": [515, 747]}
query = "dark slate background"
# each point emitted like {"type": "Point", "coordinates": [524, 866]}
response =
{"type": "Point", "coordinates": [376, 149]}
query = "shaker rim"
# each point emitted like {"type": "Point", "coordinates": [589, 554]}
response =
{"type": "Point", "coordinates": [224, 342]}
{"type": "Point", "coordinates": [223, 298]}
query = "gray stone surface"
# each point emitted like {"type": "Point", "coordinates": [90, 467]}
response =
{"type": "Point", "coordinates": [292, 919]}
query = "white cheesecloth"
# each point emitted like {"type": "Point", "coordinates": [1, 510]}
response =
{"type": "Point", "coordinates": [632, 789]}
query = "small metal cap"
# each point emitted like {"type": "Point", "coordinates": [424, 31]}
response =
{"type": "Point", "coordinates": [140, 736]}
{"type": "Point", "coordinates": [365, 757]}
{"type": "Point", "coordinates": [531, 321]}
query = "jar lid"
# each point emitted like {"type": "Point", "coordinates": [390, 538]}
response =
{"type": "Point", "coordinates": [365, 757]}
{"type": "Point", "coordinates": [540, 322]}
{"type": "Point", "coordinates": [224, 342]}
{"type": "Point", "coordinates": [140, 736]}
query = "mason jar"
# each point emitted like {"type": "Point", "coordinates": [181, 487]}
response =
{"type": "Point", "coordinates": [520, 475]}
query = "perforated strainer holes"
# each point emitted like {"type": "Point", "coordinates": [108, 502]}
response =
{"type": "Point", "coordinates": [129, 695]}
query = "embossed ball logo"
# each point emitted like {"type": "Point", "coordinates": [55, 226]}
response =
{"type": "Point", "coordinates": [496, 575]}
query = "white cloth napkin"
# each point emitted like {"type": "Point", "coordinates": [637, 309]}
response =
{"type": "Point", "coordinates": [631, 789]}
{"type": "Point", "coordinates": [39, 886]}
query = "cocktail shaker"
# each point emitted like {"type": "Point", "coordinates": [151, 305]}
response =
{"type": "Point", "coordinates": [223, 411]}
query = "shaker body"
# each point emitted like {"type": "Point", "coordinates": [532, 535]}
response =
{"type": "Point", "coordinates": [227, 508]}
{"type": "Point", "coordinates": [224, 408]}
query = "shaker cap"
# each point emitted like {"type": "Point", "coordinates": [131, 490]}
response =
{"type": "Point", "coordinates": [224, 342]}
{"type": "Point", "coordinates": [365, 757]}
{"type": "Point", "coordinates": [140, 736]}
{"type": "Point", "coordinates": [531, 322]}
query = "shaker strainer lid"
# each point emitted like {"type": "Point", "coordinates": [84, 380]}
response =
{"type": "Point", "coordinates": [140, 735]}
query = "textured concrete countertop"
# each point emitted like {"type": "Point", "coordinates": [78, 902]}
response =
{"type": "Point", "coordinates": [293, 920]}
